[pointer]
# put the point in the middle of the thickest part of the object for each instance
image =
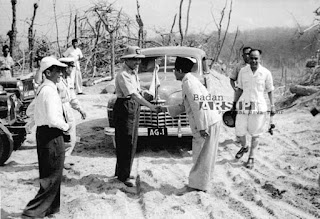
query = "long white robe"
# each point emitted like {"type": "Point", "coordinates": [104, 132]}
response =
{"type": "Point", "coordinates": [204, 151]}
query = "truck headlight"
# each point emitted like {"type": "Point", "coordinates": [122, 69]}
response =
{"type": "Point", "coordinates": [20, 85]}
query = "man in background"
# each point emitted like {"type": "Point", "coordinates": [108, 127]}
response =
{"type": "Point", "coordinates": [234, 74]}
{"type": "Point", "coordinates": [253, 81]}
{"type": "Point", "coordinates": [75, 52]}
{"type": "Point", "coordinates": [6, 63]}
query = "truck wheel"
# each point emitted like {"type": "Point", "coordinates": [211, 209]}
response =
{"type": "Point", "coordinates": [6, 147]}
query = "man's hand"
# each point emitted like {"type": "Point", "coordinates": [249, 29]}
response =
{"type": "Point", "coordinates": [161, 109]}
{"type": "Point", "coordinates": [272, 110]}
{"type": "Point", "coordinates": [234, 106]}
{"type": "Point", "coordinates": [204, 134]}
{"type": "Point", "coordinates": [83, 114]}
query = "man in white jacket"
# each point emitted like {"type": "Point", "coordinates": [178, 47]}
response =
{"type": "Point", "coordinates": [205, 127]}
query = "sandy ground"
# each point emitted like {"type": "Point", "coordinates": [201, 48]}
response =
{"type": "Point", "coordinates": [283, 183]}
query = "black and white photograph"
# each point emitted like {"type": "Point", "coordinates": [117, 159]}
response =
{"type": "Point", "coordinates": [160, 109]}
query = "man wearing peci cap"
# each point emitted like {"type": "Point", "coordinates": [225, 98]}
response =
{"type": "Point", "coordinates": [50, 124]}
{"type": "Point", "coordinates": [126, 112]}
{"type": "Point", "coordinates": [205, 127]}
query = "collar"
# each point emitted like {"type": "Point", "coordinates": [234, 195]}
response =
{"type": "Point", "coordinates": [49, 83]}
{"type": "Point", "coordinates": [129, 70]}
{"type": "Point", "coordinates": [186, 77]}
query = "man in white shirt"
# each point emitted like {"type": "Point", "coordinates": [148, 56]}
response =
{"type": "Point", "coordinates": [51, 124]}
{"type": "Point", "coordinates": [234, 74]}
{"type": "Point", "coordinates": [205, 127]}
{"type": "Point", "coordinates": [6, 63]}
{"type": "Point", "coordinates": [253, 81]}
{"type": "Point", "coordinates": [76, 76]}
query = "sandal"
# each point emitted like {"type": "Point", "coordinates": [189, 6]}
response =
{"type": "Point", "coordinates": [241, 152]}
{"type": "Point", "coordinates": [250, 163]}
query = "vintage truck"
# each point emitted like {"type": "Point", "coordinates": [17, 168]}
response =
{"type": "Point", "coordinates": [15, 96]}
{"type": "Point", "coordinates": [169, 91]}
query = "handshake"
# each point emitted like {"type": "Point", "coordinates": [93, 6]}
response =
{"type": "Point", "coordinates": [159, 109]}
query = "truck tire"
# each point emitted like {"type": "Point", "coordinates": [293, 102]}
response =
{"type": "Point", "coordinates": [6, 147]}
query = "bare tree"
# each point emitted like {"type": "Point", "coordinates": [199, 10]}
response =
{"type": "Point", "coordinates": [140, 23]}
{"type": "Point", "coordinates": [220, 40]}
{"type": "Point", "coordinates": [31, 37]}
{"type": "Point", "coordinates": [111, 20]}
{"type": "Point", "coordinates": [69, 26]}
{"type": "Point", "coordinates": [187, 22]}
{"type": "Point", "coordinates": [55, 18]}
{"type": "Point", "coordinates": [183, 35]}
{"type": "Point", "coordinates": [13, 32]}
{"type": "Point", "coordinates": [171, 30]}
{"type": "Point", "coordinates": [180, 23]}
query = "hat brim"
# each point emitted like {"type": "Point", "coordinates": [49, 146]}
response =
{"type": "Point", "coordinates": [54, 62]}
{"type": "Point", "coordinates": [135, 56]}
{"type": "Point", "coordinates": [66, 59]}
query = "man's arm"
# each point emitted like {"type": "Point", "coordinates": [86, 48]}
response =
{"type": "Point", "coordinates": [233, 84]}
{"type": "Point", "coordinates": [272, 107]}
{"type": "Point", "coordinates": [137, 97]}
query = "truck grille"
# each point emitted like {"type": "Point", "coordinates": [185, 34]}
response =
{"type": "Point", "coordinates": [152, 119]}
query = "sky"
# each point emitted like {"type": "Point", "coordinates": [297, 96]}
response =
{"type": "Point", "coordinates": [159, 14]}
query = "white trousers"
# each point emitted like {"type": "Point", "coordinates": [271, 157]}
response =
{"type": "Point", "coordinates": [204, 153]}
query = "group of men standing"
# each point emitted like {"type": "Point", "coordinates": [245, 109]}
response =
{"type": "Point", "coordinates": [252, 81]}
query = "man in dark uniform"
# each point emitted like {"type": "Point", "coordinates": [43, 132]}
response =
{"type": "Point", "coordinates": [126, 112]}
{"type": "Point", "coordinates": [50, 124]}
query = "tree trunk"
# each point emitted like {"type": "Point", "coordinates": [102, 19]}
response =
{"type": "Point", "coordinates": [112, 42]}
{"type": "Point", "coordinates": [304, 90]}
{"type": "Point", "coordinates": [180, 23]}
{"type": "Point", "coordinates": [140, 31]}
{"type": "Point", "coordinates": [13, 32]}
{"type": "Point", "coordinates": [31, 36]}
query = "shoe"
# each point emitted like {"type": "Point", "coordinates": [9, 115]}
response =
{"type": "Point", "coordinates": [187, 189]}
{"type": "Point", "coordinates": [127, 183]}
{"type": "Point", "coordinates": [250, 163]}
{"type": "Point", "coordinates": [68, 166]}
{"type": "Point", "coordinates": [241, 152]}
{"type": "Point", "coordinates": [130, 177]}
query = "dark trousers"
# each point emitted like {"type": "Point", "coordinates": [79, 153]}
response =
{"type": "Point", "coordinates": [50, 149]}
{"type": "Point", "coordinates": [126, 120]}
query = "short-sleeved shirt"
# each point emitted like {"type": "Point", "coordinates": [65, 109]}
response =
{"type": "Point", "coordinates": [74, 53]}
{"type": "Point", "coordinates": [254, 86]}
{"type": "Point", "coordinates": [6, 62]}
{"type": "Point", "coordinates": [127, 82]}
{"type": "Point", "coordinates": [234, 74]}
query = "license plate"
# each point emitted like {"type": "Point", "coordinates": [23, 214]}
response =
{"type": "Point", "coordinates": [157, 132]}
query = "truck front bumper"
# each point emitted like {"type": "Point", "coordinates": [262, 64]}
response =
{"type": "Point", "coordinates": [175, 132]}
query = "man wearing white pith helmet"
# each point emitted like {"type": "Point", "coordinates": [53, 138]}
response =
{"type": "Point", "coordinates": [50, 124]}
{"type": "Point", "coordinates": [69, 103]}
{"type": "Point", "coordinates": [126, 112]}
